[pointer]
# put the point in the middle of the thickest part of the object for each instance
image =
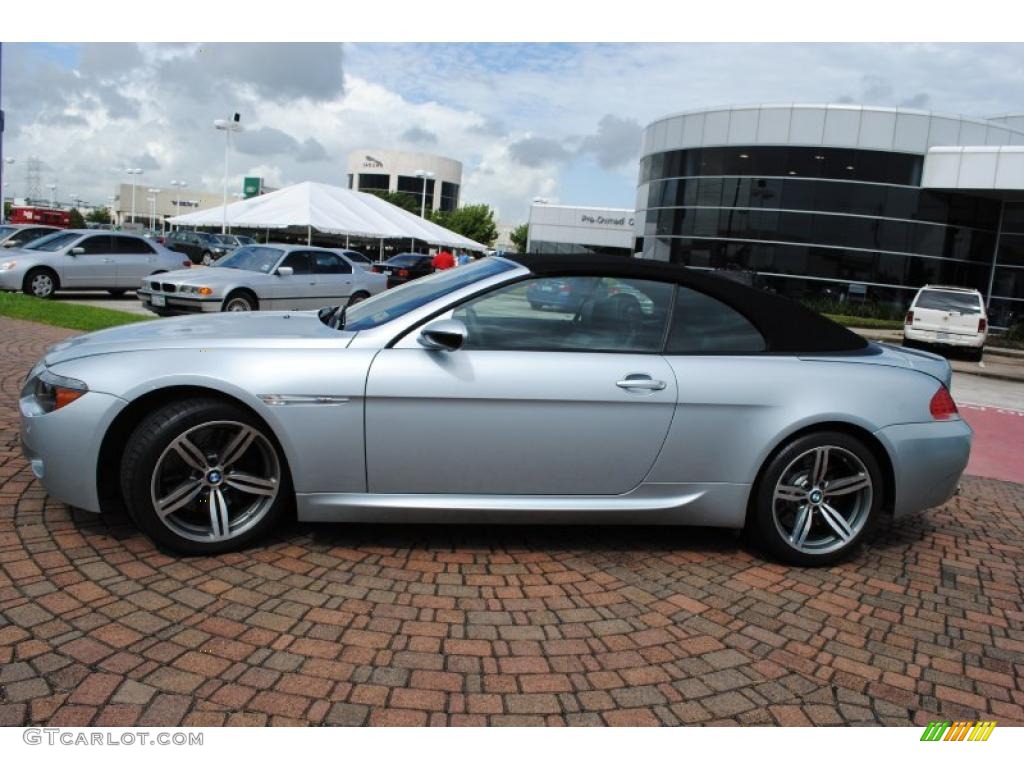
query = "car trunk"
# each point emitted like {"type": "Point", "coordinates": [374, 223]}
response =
{"type": "Point", "coordinates": [945, 312]}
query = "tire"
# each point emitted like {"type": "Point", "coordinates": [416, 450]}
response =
{"type": "Point", "coordinates": [41, 283]}
{"type": "Point", "coordinates": [199, 475]}
{"type": "Point", "coordinates": [240, 301]}
{"type": "Point", "coordinates": [975, 355]}
{"type": "Point", "coordinates": [206, 259]}
{"type": "Point", "coordinates": [834, 523]}
{"type": "Point", "coordinates": [117, 292]}
{"type": "Point", "coordinates": [357, 297]}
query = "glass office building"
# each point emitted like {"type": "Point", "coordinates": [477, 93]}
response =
{"type": "Point", "coordinates": [840, 201]}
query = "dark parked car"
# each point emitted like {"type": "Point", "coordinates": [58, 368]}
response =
{"type": "Point", "coordinates": [405, 267]}
{"type": "Point", "coordinates": [200, 247]}
{"type": "Point", "coordinates": [19, 235]}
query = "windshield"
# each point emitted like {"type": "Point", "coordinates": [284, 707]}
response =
{"type": "Point", "coordinates": [397, 301]}
{"type": "Point", "coordinates": [950, 301]}
{"type": "Point", "coordinates": [253, 258]}
{"type": "Point", "coordinates": [357, 256]}
{"type": "Point", "coordinates": [225, 239]}
{"type": "Point", "coordinates": [5, 231]}
{"type": "Point", "coordinates": [53, 242]}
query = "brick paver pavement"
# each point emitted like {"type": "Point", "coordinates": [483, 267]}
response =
{"type": "Point", "coordinates": [351, 625]}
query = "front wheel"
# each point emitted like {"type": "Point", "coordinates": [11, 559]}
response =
{"type": "Point", "coordinates": [203, 476]}
{"type": "Point", "coordinates": [817, 498]}
{"type": "Point", "coordinates": [41, 283]}
{"type": "Point", "coordinates": [357, 297]}
{"type": "Point", "coordinates": [241, 301]}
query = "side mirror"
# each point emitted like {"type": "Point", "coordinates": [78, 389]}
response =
{"type": "Point", "coordinates": [77, 250]}
{"type": "Point", "coordinates": [285, 271]}
{"type": "Point", "coordinates": [446, 335]}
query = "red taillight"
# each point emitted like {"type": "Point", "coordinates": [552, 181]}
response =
{"type": "Point", "coordinates": [982, 325]}
{"type": "Point", "coordinates": [403, 273]}
{"type": "Point", "coordinates": [375, 268]}
{"type": "Point", "coordinates": [942, 405]}
{"type": "Point", "coordinates": [910, 318]}
{"type": "Point", "coordinates": [187, 264]}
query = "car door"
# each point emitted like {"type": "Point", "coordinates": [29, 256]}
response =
{"type": "Point", "coordinates": [94, 267]}
{"type": "Point", "coordinates": [333, 279]}
{"type": "Point", "coordinates": [536, 402]}
{"type": "Point", "coordinates": [294, 291]}
{"type": "Point", "coordinates": [135, 259]}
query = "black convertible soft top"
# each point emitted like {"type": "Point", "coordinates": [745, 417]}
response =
{"type": "Point", "coordinates": [787, 326]}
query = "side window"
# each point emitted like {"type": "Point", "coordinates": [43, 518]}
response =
{"type": "Point", "coordinates": [298, 261]}
{"type": "Point", "coordinates": [96, 244]}
{"type": "Point", "coordinates": [126, 245]}
{"type": "Point", "coordinates": [329, 264]}
{"type": "Point", "coordinates": [702, 325]}
{"type": "Point", "coordinates": [577, 314]}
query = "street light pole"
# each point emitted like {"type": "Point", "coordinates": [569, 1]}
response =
{"type": "Point", "coordinates": [53, 194]}
{"type": "Point", "coordinates": [232, 125]}
{"type": "Point", "coordinates": [133, 172]}
{"type": "Point", "coordinates": [152, 210]}
{"type": "Point", "coordinates": [178, 185]}
{"type": "Point", "coordinates": [423, 198]}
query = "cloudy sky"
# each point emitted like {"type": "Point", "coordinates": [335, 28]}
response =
{"type": "Point", "coordinates": [551, 120]}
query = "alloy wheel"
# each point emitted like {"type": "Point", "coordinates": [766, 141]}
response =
{"type": "Point", "coordinates": [822, 500]}
{"type": "Point", "coordinates": [41, 285]}
{"type": "Point", "coordinates": [215, 481]}
{"type": "Point", "coordinates": [238, 304]}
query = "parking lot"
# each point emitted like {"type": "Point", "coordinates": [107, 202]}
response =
{"type": "Point", "coordinates": [511, 625]}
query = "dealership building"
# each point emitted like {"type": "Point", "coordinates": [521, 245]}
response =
{"type": "Point", "coordinates": [564, 229]}
{"type": "Point", "coordinates": [863, 203]}
{"type": "Point", "coordinates": [433, 180]}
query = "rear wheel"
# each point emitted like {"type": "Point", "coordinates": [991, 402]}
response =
{"type": "Point", "coordinates": [240, 301]}
{"type": "Point", "coordinates": [203, 476]}
{"type": "Point", "coordinates": [41, 283]}
{"type": "Point", "coordinates": [975, 355]}
{"type": "Point", "coordinates": [207, 258]}
{"type": "Point", "coordinates": [817, 498]}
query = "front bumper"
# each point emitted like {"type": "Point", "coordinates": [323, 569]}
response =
{"type": "Point", "coordinates": [928, 460]}
{"type": "Point", "coordinates": [11, 279]}
{"type": "Point", "coordinates": [179, 305]}
{"type": "Point", "coordinates": [972, 340]}
{"type": "Point", "coordinates": [63, 446]}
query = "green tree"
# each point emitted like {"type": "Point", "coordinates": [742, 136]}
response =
{"type": "Point", "coordinates": [403, 200]}
{"type": "Point", "coordinates": [518, 237]}
{"type": "Point", "coordinates": [98, 215]}
{"type": "Point", "coordinates": [473, 221]}
{"type": "Point", "coordinates": [77, 221]}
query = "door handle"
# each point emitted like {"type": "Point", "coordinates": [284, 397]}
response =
{"type": "Point", "coordinates": [640, 382]}
{"type": "Point", "coordinates": [108, 261]}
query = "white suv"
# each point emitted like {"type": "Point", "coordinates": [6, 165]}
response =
{"type": "Point", "coordinates": [949, 316]}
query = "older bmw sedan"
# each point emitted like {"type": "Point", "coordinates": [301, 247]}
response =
{"type": "Point", "coordinates": [272, 276]}
{"type": "Point", "coordinates": [667, 396]}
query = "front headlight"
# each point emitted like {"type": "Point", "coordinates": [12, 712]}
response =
{"type": "Point", "coordinates": [52, 391]}
{"type": "Point", "coordinates": [7, 265]}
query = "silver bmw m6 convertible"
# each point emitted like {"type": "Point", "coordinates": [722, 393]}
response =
{"type": "Point", "coordinates": [653, 394]}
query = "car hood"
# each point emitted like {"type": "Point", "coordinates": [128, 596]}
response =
{"type": "Point", "coordinates": [210, 276]}
{"type": "Point", "coordinates": [876, 353]}
{"type": "Point", "coordinates": [256, 330]}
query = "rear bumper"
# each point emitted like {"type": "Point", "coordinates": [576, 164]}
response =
{"type": "Point", "coordinates": [972, 340]}
{"type": "Point", "coordinates": [928, 460]}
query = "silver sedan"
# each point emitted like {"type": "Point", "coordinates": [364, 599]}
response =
{"type": "Point", "coordinates": [263, 277]}
{"type": "Point", "coordinates": [663, 396]}
{"type": "Point", "coordinates": [84, 259]}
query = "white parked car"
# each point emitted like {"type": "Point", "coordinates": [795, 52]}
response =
{"type": "Point", "coordinates": [947, 316]}
{"type": "Point", "coordinates": [256, 277]}
{"type": "Point", "coordinates": [74, 259]}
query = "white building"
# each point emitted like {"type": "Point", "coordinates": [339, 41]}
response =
{"type": "Point", "coordinates": [389, 170]}
{"type": "Point", "coordinates": [562, 229]}
{"type": "Point", "coordinates": [167, 202]}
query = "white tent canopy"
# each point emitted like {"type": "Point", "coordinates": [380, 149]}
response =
{"type": "Point", "coordinates": [330, 209]}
